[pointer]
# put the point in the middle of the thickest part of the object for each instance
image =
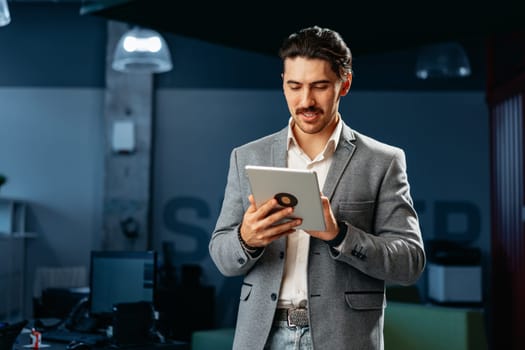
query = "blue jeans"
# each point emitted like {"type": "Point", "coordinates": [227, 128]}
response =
{"type": "Point", "coordinates": [284, 338]}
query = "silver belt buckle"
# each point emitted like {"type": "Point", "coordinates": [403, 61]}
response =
{"type": "Point", "coordinates": [297, 317]}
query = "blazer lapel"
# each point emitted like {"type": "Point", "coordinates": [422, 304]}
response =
{"type": "Point", "coordinates": [340, 161]}
{"type": "Point", "coordinates": [342, 156]}
{"type": "Point", "coordinates": [279, 149]}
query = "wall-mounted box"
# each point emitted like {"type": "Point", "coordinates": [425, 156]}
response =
{"type": "Point", "coordinates": [123, 137]}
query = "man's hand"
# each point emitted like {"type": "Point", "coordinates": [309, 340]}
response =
{"type": "Point", "coordinates": [259, 225]}
{"type": "Point", "coordinates": [332, 229]}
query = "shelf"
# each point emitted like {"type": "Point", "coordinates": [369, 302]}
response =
{"type": "Point", "coordinates": [18, 235]}
{"type": "Point", "coordinates": [13, 258]}
{"type": "Point", "coordinates": [13, 219]}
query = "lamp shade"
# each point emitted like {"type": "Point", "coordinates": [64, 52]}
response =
{"type": "Point", "coordinates": [5, 17]}
{"type": "Point", "coordinates": [142, 50]}
{"type": "Point", "coordinates": [443, 60]}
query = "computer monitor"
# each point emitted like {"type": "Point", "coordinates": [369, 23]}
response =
{"type": "Point", "coordinates": [120, 277]}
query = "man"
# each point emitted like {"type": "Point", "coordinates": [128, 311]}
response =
{"type": "Point", "coordinates": [318, 290]}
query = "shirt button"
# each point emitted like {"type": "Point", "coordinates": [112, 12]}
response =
{"type": "Point", "coordinates": [274, 297]}
{"type": "Point", "coordinates": [241, 261]}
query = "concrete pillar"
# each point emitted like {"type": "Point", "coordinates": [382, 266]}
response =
{"type": "Point", "coordinates": [127, 190]}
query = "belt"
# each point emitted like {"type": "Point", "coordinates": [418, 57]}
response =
{"type": "Point", "coordinates": [295, 317]}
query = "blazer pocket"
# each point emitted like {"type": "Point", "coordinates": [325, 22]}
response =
{"type": "Point", "coordinates": [246, 290]}
{"type": "Point", "coordinates": [356, 206]}
{"type": "Point", "coordinates": [359, 214]}
{"type": "Point", "coordinates": [366, 300]}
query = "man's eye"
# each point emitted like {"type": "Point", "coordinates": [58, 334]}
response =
{"type": "Point", "coordinates": [294, 87]}
{"type": "Point", "coordinates": [321, 87]}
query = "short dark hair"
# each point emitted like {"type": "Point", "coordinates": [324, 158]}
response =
{"type": "Point", "coordinates": [321, 43]}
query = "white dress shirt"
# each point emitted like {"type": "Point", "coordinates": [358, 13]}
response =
{"type": "Point", "coordinates": [294, 284]}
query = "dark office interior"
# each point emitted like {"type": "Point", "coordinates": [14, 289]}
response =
{"type": "Point", "coordinates": [100, 164]}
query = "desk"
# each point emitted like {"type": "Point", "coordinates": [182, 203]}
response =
{"type": "Point", "coordinates": [24, 339]}
{"type": "Point", "coordinates": [411, 326]}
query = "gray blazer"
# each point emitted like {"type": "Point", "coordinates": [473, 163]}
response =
{"type": "Point", "coordinates": [368, 189]}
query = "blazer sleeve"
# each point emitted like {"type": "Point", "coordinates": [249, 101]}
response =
{"type": "Point", "coordinates": [224, 246]}
{"type": "Point", "coordinates": [393, 249]}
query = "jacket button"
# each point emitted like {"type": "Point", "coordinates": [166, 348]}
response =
{"type": "Point", "coordinates": [241, 261]}
{"type": "Point", "coordinates": [274, 297]}
{"type": "Point", "coordinates": [281, 255]}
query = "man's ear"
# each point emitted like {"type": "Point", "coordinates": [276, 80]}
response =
{"type": "Point", "coordinates": [346, 84]}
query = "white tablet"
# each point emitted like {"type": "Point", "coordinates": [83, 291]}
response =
{"type": "Point", "coordinates": [292, 188]}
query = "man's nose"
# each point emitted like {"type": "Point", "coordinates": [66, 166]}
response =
{"type": "Point", "coordinates": [307, 98]}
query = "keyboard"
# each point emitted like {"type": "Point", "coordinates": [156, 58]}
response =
{"type": "Point", "coordinates": [66, 336]}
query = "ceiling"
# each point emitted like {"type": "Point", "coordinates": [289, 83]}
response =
{"type": "Point", "coordinates": [369, 27]}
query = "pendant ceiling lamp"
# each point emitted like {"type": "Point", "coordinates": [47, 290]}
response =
{"type": "Point", "coordinates": [443, 60]}
{"type": "Point", "coordinates": [142, 50]}
{"type": "Point", "coordinates": [5, 17]}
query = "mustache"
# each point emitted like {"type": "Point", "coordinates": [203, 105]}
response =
{"type": "Point", "coordinates": [309, 109]}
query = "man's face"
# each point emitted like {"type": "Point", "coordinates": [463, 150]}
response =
{"type": "Point", "coordinates": [312, 91]}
